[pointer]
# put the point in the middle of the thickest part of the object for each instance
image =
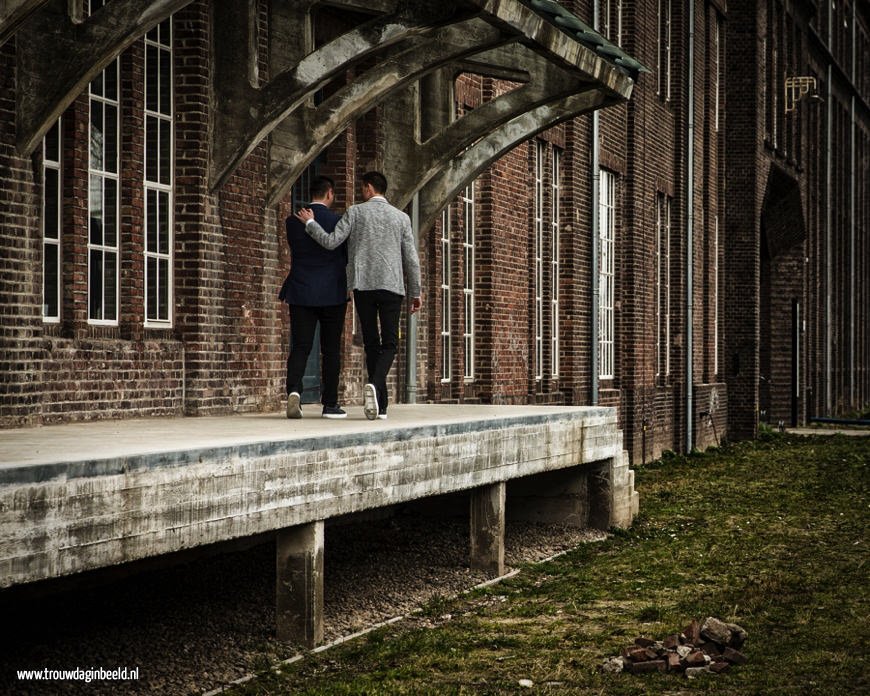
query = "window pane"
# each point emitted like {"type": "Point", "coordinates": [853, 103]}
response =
{"type": "Point", "coordinates": [50, 280]}
{"type": "Point", "coordinates": [154, 33]}
{"type": "Point", "coordinates": [165, 153]}
{"type": "Point", "coordinates": [52, 143]}
{"type": "Point", "coordinates": [151, 286]}
{"type": "Point", "coordinates": [151, 221]}
{"type": "Point", "coordinates": [110, 212]}
{"type": "Point", "coordinates": [96, 285]}
{"type": "Point", "coordinates": [111, 81]}
{"type": "Point", "coordinates": [163, 285]}
{"type": "Point", "coordinates": [95, 210]}
{"type": "Point", "coordinates": [111, 285]}
{"type": "Point", "coordinates": [165, 83]}
{"type": "Point", "coordinates": [166, 31]}
{"type": "Point", "coordinates": [111, 139]}
{"type": "Point", "coordinates": [152, 67]}
{"type": "Point", "coordinates": [96, 135]}
{"type": "Point", "coordinates": [97, 85]}
{"type": "Point", "coordinates": [163, 208]}
{"type": "Point", "coordinates": [152, 148]}
{"type": "Point", "coordinates": [50, 195]}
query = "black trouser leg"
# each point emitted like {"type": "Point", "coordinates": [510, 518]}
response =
{"type": "Point", "coordinates": [303, 323]}
{"type": "Point", "coordinates": [379, 312]}
{"type": "Point", "coordinates": [331, 330]}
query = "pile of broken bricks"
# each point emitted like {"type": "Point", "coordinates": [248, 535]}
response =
{"type": "Point", "coordinates": [709, 647]}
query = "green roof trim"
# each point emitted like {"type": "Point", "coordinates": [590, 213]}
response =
{"type": "Point", "coordinates": [572, 25]}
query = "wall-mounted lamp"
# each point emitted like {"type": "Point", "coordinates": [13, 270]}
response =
{"type": "Point", "coordinates": [796, 88]}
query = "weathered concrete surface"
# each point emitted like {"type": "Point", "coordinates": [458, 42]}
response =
{"type": "Point", "coordinates": [299, 584]}
{"type": "Point", "coordinates": [86, 495]}
{"type": "Point", "coordinates": [487, 528]}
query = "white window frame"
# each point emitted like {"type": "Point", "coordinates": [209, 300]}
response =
{"type": "Point", "coordinates": [155, 40]}
{"type": "Point", "coordinates": [540, 155]}
{"type": "Point", "coordinates": [102, 175]}
{"type": "Point", "coordinates": [52, 164]}
{"type": "Point", "coordinates": [606, 274]}
{"type": "Point", "coordinates": [468, 224]}
{"type": "Point", "coordinates": [663, 54]}
{"type": "Point", "coordinates": [446, 299]}
{"type": "Point", "coordinates": [663, 285]}
{"type": "Point", "coordinates": [555, 220]}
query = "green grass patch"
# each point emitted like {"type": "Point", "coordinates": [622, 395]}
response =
{"type": "Point", "coordinates": [771, 535]}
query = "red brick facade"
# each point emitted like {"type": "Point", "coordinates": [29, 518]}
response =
{"type": "Point", "coordinates": [752, 279]}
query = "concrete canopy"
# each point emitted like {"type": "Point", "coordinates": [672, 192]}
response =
{"type": "Point", "coordinates": [49, 81]}
{"type": "Point", "coordinates": [13, 13]}
{"type": "Point", "coordinates": [389, 53]}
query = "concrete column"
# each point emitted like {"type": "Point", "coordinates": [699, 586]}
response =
{"type": "Point", "coordinates": [299, 585]}
{"type": "Point", "coordinates": [487, 528]}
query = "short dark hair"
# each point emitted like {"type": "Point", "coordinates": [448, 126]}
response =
{"type": "Point", "coordinates": [320, 186]}
{"type": "Point", "coordinates": [377, 180]}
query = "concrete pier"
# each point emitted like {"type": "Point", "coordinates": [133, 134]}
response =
{"type": "Point", "coordinates": [82, 496]}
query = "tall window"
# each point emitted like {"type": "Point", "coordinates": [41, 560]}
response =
{"type": "Point", "coordinates": [158, 173]}
{"type": "Point", "coordinates": [539, 258]}
{"type": "Point", "coordinates": [611, 15]}
{"type": "Point", "coordinates": [103, 195]}
{"type": "Point", "coordinates": [717, 69]}
{"type": "Point", "coordinates": [554, 224]}
{"type": "Point", "coordinates": [663, 56]}
{"type": "Point", "coordinates": [606, 284]}
{"type": "Point", "coordinates": [663, 285]}
{"type": "Point", "coordinates": [51, 207]}
{"type": "Point", "coordinates": [446, 352]}
{"type": "Point", "coordinates": [467, 202]}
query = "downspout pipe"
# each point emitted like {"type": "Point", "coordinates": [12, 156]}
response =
{"type": "Point", "coordinates": [690, 225]}
{"type": "Point", "coordinates": [411, 319]}
{"type": "Point", "coordinates": [596, 231]}
{"type": "Point", "coordinates": [852, 148]}
{"type": "Point", "coordinates": [829, 167]}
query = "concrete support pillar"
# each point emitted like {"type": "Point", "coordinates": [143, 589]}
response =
{"type": "Point", "coordinates": [299, 584]}
{"type": "Point", "coordinates": [487, 529]}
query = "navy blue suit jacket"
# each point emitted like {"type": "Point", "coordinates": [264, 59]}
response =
{"type": "Point", "coordinates": [318, 277]}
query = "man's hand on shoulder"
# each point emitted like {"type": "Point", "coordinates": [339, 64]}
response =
{"type": "Point", "coordinates": [304, 215]}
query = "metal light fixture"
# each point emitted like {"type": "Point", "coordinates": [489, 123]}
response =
{"type": "Point", "coordinates": [796, 88]}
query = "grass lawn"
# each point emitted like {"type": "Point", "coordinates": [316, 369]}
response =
{"type": "Point", "coordinates": [772, 535]}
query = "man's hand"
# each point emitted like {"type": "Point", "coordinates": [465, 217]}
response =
{"type": "Point", "coordinates": [416, 303]}
{"type": "Point", "coordinates": [304, 215]}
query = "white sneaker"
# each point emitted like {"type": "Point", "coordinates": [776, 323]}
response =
{"type": "Point", "coordinates": [294, 405]}
{"type": "Point", "coordinates": [370, 401]}
{"type": "Point", "coordinates": [382, 416]}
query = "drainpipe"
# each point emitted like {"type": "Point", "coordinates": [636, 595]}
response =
{"type": "Point", "coordinates": [411, 320]}
{"type": "Point", "coordinates": [829, 165]}
{"type": "Point", "coordinates": [690, 224]}
{"type": "Point", "coordinates": [852, 221]}
{"type": "Point", "coordinates": [596, 231]}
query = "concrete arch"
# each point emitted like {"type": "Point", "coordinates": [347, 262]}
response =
{"type": "Point", "coordinates": [13, 13]}
{"type": "Point", "coordinates": [461, 170]}
{"type": "Point", "coordinates": [317, 128]}
{"type": "Point", "coordinates": [248, 114]}
{"type": "Point", "coordinates": [546, 83]}
{"type": "Point", "coordinates": [49, 81]}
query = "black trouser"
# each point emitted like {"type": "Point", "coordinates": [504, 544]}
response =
{"type": "Point", "coordinates": [376, 307]}
{"type": "Point", "coordinates": [303, 323]}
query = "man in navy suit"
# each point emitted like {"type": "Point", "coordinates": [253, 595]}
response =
{"type": "Point", "coordinates": [316, 290]}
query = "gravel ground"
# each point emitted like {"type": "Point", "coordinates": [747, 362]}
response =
{"type": "Point", "coordinates": [193, 627]}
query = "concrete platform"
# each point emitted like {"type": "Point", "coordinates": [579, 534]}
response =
{"type": "Point", "coordinates": [82, 496]}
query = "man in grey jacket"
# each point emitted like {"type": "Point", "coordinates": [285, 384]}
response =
{"type": "Point", "coordinates": [380, 248]}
